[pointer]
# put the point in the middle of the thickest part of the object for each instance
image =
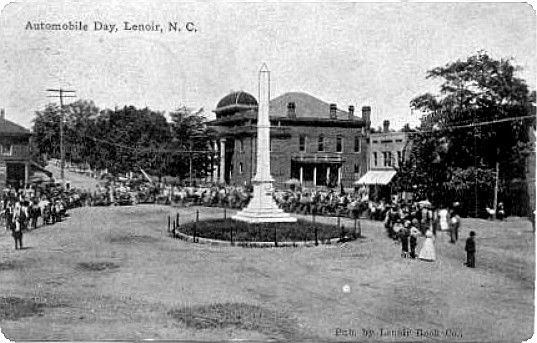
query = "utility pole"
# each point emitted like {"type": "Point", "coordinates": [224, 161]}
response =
{"type": "Point", "coordinates": [61, 94]}
{"type": "Point", "coordinates": [496, 182]}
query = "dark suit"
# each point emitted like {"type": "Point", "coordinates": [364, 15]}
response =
{"type": "Point", "coordinates": [470, 252]}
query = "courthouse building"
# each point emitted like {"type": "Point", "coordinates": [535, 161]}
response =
{"type": "Point", "coordinates": [15, 161]}
{"type": "Point", "coordinates": [311, 141]}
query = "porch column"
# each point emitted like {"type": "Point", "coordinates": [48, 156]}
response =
{"type": "Point", "coordinates": [301, 174]}
{"type": "Point", "coordinates": [213, 167]}
{"type": "Point", "coordinates": [327, 175]}
{"type": "Point", "coordinates": [26, 173]}
{"type": "Point", "coordinates": [222, 177]}
{"type": "Point", "coordinates": [339, 176]}
{"type": "Point", "coordinates": [315, 176]}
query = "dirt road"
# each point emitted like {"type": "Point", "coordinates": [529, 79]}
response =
{"type": "Point", "coordinates": [113, 273]}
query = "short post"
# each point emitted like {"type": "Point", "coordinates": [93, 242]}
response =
{"type": "Point", "coordinates": [169, 224]}
{"type": "Point", "coordinates": [174, 229]}
{"type": "Point", "coordinates": [359, 229]}
{"type": "Point", "coordinates": [338, 222]}
{"type": "Point", "coordinates": [316, 240]}
{"type": "Point", "coordinates": [196, 224]}
{"type": "Point", "coordinates": [177, 218]}
{"type": "Point", "coordinates": [342, 232]}
{"type": "Point", "coordinates": [225, 213]}
{"type": "Point", "coordinates": [355, 228]}
{"type": "Point", "coordinates": [275, 237]}
{"type": "Point", "coordinates": [231, 236]}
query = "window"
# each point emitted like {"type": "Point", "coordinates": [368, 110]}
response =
{"type": "Point", "coordinates": [241, 146]}
{"type": "Point", "coordinates": [5, 149]}
{"type": "Point", "coordinates": [320, 146]}
{"type": "Point", "coordinates": [240, 168]}
{"type": "Point", "coordinates": [387, 158]}
{"type": "Point", "coordinates": [302, 143]}
{"type": "Point", "coordinates": [375, 159]}
{"type": "Point", "coordinates": [357, 144]}
{"type": "Point", "coordinates": [399, 158]}
{"type": "Point", "coordinates": [339, 144]}
{"type": "Point", "coordinates": [356, 171]}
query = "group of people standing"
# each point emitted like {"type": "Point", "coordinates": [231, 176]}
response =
{"type": "Point", "coordinates": [406, 225]}
{"type": "Point", "coordinates": [20, 211]}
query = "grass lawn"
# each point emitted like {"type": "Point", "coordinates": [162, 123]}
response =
{"type": "Point", "coordinates": [228, 229]}
{"type": "Point", "coordinates": [114, 273]}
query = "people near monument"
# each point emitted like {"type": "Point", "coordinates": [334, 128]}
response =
{"type": "Point", "coordinates": [427, 252]}
{"type": "Point", "coordinates": [470, 250]}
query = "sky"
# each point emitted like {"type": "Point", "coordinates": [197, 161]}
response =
{"type": "Point", "coordinates": [374, 54]}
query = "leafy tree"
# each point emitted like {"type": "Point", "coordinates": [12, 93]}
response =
{"type": "Point", "coordinates": [466, 129]}
{"type": "Point", "coordinates": [125, 139]}
{"type": "Point", "coordinates": [191, 138]}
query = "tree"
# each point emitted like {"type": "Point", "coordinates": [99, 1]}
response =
{"type": "Point", "coordinates": [126, 139]}
{"type": "Point", "coordinates": [190, 133]}
{"type": "Point", "coordinates": [466, 130]}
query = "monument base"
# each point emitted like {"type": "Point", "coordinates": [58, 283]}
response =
{"type": "Point", "coordinates": [262, 208]}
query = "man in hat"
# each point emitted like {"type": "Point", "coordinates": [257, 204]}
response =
{"type": "Point", "coordinates": [470, 250]}
{"type": "Point", "coordinates": [454, 225]}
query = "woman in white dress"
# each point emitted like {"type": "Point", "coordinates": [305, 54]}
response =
{"type": "Point", "coordinates": [427, 252]}
{"type": "Point", "coordinates": [443, 218]}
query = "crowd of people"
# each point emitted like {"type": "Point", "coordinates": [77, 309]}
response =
{"type": "Point", "coordinates": [21, 208]}
{"type": "Point", "coordinates": [405, 221]}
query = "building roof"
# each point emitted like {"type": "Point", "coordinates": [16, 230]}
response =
{"type": "Point", "coordinates": [9, 128]}
{"type": "Point", "coordinates": [236, 101]}
{"type": "Point", "coordinates": [306, 106]}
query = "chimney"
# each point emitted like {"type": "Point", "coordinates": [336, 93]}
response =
{"type": "Point", "coordinates": [386, 126]}
{"type": "Point", "coordinates": [291, 113]}
{"type": "Point", "coordinates": [351, 112]}
{"type": "Point", "coordinates": [366, 116]}
{"type": "Point", "coordinates": [333, 108]}
{"type": "Point", "coordinates": [2, 114]}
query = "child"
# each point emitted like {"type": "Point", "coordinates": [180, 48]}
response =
{"type": "Point", "coordinates": [414, 233]}
{"type": "Point", "coordinates": [470, 250]}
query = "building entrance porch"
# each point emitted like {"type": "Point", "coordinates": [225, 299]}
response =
{"type": "Point", "coordinates": [316, 174]}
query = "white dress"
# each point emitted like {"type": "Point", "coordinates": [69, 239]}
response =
{"type": "Point", "coordinates": [444, 220]}
{"type": "Point", "coordinates": [427, 252]}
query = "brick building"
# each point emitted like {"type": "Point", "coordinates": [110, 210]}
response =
{"type": "Point", "coordinates": [15, 161]}
{"type": "Point", "coordinates": [311, 140]}
{"type": "Point", "coordinates": [387, 149]}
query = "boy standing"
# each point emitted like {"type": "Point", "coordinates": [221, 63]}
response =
{"type": "Point", "coordinates": [470, 250]}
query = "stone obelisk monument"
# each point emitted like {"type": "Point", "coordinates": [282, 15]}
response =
{"type": "Point", "coordinates": [262, 207]}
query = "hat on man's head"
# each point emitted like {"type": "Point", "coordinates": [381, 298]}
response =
{"type": "Point", "coordinates": [472, 233]}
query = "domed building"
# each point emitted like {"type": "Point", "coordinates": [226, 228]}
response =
{"type": "Point", "coordinates": [310, 140]}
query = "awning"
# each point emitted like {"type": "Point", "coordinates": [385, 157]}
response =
{"type": "Point", "coordinates": [376, 177]}
{"type": "Point", "coordinates": [38, 167]}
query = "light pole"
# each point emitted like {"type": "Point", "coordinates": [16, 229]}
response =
{"type": "Point", "coordinates": [61, 94]}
